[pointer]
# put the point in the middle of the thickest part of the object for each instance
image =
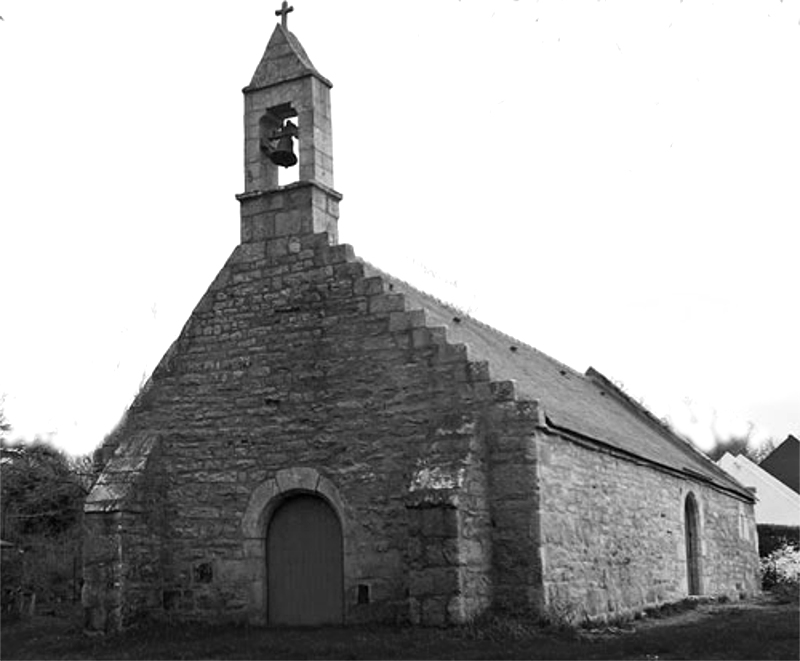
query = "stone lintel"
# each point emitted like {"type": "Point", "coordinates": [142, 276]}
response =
{"type": "Point", "coordinates": [111, 507]}
{"type": "Point", "coordinates": [242, 197]}
{"type": "Point", "coordinates": [310, 74]}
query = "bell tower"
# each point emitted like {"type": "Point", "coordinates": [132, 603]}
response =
{"type": "Point", "coordinates": [286, 107]}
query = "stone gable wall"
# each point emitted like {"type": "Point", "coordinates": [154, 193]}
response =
{"type": "Point", "coordinates": [613, 534]}
{"type": "Point", "coordinates": [294, 358]}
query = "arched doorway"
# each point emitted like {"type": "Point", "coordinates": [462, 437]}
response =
{"type": "Point", "coordinates": [691, 521]}
{"type": "Point", "coordinates": [305, 582]}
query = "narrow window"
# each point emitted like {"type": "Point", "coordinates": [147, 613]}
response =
{"type": "Point", "coordinates": [691, 519]}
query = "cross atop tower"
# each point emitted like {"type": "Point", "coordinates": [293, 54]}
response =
{"type": "Point", "coordinates": [283, 12]}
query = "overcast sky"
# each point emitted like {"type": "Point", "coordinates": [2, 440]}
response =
{"type": "Point", "coordinates": [613, 183]}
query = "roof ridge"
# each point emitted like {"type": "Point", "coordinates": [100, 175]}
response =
{"type": "Point", "coordinates": [643, 411]}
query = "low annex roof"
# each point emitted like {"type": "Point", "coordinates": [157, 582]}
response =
{"type": "Point", "coordinates": [585, 404]}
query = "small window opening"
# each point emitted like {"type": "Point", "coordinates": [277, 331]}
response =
{"type": "Point", "coordinates": [363, 594]}
{"type": "Point", "coordinates": [203, 572]}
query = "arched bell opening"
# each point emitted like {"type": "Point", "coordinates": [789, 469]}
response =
{"type": "Point", "coordinates": [278, 136]}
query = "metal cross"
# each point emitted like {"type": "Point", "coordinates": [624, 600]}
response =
{"type": "Point", "coordinates": [283, 12]}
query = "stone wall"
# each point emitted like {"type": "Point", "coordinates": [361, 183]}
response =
{"type": "Point", "coordinates": [101, 593]}
{"type": "Point", "coordinates": [613, 534]}
{"type": "Point", "coordinates": [294, 358]}
{"type": "Point", "coordinates": [452, 494]}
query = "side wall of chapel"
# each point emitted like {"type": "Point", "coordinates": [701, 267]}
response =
{"type": "Point", "coordinates": [613, 534]}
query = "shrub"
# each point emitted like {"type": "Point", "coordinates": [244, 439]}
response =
{"type": "Point", "coordinates": [780, 570]}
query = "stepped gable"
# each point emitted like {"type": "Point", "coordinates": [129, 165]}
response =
{"type": "Point", "coordinates": [284, 59]}
{"type": "Point", "coordinates": [586, 404]}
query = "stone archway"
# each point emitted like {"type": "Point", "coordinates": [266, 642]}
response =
{"type": "Point", "coordinates": [266, 501]}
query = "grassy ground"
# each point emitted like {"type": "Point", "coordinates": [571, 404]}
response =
{"type": "Point", "coordinates": [759, 629]}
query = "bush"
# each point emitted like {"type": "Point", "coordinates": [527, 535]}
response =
{"type": "Point", "coordinates": [41, 494]}
{"type": "Point", "coordinates": [780, 570]}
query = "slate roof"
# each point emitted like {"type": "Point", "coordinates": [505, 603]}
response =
{"type": "Point", "coordinates": [784, 463]}
{"type": "Point", "coordinates": [777, 504]}
{"type": "Point", "coordinates": [586, 404]}
{"type": "Point", "coordinates": [284, 59]}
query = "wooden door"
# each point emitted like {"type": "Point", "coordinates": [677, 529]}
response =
{"type": "Point", "coordinates": [305, 582]}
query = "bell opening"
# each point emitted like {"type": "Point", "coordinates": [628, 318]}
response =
{"type": "Point", "coordinates": [280, 145]}
{"type": "Point", "coordinates": [285, 154]}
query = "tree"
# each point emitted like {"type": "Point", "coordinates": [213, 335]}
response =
{"type": "Point", "coordinates": [41, 492]}
{"type": "Point", "coordinates": [738, 444]}
{"type": "Point", "coordinates": [5, 425]}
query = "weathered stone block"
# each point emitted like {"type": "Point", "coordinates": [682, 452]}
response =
{"type": "Point", "coordinates": [386, 303]}
{"type": "Point", "coordinates": [434, 611]}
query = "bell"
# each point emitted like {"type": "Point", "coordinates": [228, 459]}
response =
{"type": "Point", "coordinates": [283, 154]}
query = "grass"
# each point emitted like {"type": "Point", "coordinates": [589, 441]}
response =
{"type": "Point", "coordinates": [759, 629]}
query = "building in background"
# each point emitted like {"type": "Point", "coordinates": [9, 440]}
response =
{"type": "Point", "coordinates": [776, 503]}
{"type": "Point", "coordinates": [784, 463]}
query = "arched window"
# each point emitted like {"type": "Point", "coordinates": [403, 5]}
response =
{"type": "Point", "coordinates": [692, 534]}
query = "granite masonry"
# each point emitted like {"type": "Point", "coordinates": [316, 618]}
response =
{"type": "Point", "coordinates": [325, 444]}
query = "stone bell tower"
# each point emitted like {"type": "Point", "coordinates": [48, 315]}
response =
{"type": "Point", "coordinates": [287, 99]}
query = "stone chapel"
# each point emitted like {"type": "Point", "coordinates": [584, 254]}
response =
{"type": "Point", "coordinates": [324, 444]}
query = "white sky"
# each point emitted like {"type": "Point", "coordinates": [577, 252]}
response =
{"type": "Point", "coordinates": [613, 183]}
